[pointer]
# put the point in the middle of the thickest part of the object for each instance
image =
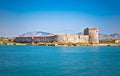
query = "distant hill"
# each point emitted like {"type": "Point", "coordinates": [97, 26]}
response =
{"type": "Point", "coordinates": [35, 33]}
{"type": "Point", "coordinates": [112, 36]}
{"type": "Point", "coordinates": [80, 33]}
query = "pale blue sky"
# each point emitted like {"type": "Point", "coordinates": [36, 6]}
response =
{"type": "Point", "coordinates": [56, 16]}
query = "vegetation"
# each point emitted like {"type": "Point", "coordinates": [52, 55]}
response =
{"type": "Point", "coordinates": [6, 41]}
{"type": "Point", "coordinates": [107, 40]}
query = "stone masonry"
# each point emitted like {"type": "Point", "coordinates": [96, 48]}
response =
{"type": "Point", "coordinates": [90, 36]}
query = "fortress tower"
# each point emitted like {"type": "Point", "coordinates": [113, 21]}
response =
{"type": "Point", "coordinates": [93, 34]}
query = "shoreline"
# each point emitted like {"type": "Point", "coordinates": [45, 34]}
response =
{"type": "Point", "coordinates": [62, 44]}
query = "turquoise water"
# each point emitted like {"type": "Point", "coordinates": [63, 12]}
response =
{"type": "Point", "coordinates": [59, 61]}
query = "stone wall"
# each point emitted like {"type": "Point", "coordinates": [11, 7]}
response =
{"type": "Point", "coordinates": [23, 39]}
{"type": "Point", "coordinates": [117, 41]}
{"type": "Point", "coordinates": [72, 38]}
{"type": "Point", "coordinates": [84, 39]}
{"type": "Point", "coordinates": [55, 38]}
{"type": "Point", "coordinates": [44, 39]}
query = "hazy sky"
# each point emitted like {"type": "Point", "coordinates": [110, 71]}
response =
{"type": "Point", "coordinates": [56, 16]}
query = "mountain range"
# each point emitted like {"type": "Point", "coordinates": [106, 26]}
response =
{"type": "Point", "coordinates": [112, 36]}
{"type": "Point", "coordinates": [35, 33]}
{"type": "Point", "coordinates": [40, 33]}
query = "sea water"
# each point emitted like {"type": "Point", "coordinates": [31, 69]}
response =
{"type": "Point", "coordinates": [59, 61]}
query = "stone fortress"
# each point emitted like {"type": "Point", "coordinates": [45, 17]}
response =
{"type": "Point", "coordinates": [90, 36]}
